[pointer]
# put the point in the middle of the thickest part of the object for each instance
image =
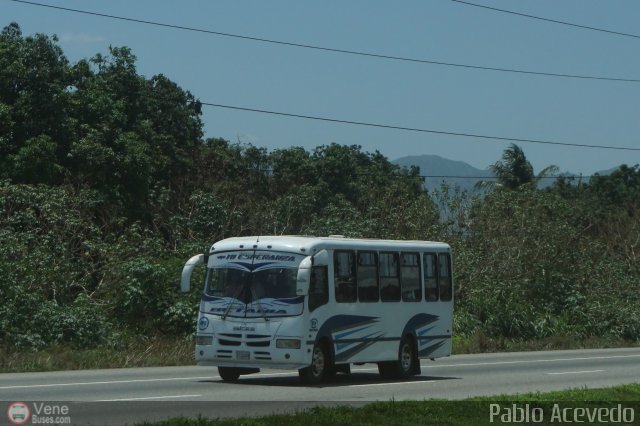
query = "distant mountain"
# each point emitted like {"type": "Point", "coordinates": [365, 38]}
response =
{"type": "Point", "coordinates": [577, 177]}
{"type": "Point", "coordinates": [464, 175]}
{"type": "Point", "coordinates": [607, 172]}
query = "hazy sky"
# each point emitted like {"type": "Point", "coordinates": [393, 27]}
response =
{"type": "Point", "coordinates": [251, 74]}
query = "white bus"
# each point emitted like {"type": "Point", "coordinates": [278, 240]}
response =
{"type": "Point", "coordinates": [321, 304]}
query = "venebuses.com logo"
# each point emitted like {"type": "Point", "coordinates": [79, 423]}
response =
{"type": "Point", "coordinates": [18, 413]}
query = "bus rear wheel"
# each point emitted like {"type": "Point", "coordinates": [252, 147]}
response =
{"type": "Point", "coordinates": [229, 374]}
{"type": "Point", "coordinates": [404, 366]}
{"type": "Point", "coordinates": [319, 368]}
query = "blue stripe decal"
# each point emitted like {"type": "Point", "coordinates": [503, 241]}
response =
{"type": "Point", "coordinates": [349, 353]}
{"type": "Point", "coordinates": [351, 331]}
{"type": "Point", "coordinates": [208, 298]}
{"type": "Point", "coordinates": [252, 266]}
{"type": "Point", "coordinates": [426, 330]}
{"type": "Point", "coordinates": [429, 350]}
{"type": "Point", "coordinates": [365, 339]}
{"type": "Point", "coordinates": [289, 301]}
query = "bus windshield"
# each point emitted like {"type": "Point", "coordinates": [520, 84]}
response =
{"type": "Point", "coordinates": [247, 287]}
{"type": "Point", "coordinates": [253, 284]}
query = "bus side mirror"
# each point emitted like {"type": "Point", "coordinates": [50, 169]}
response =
{"type": "Point", "coordinates": [304, 277]}
{"type": "Point", "coordinates": [185, 281]}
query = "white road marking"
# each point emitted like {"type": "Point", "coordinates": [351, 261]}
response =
{"type": "Point", "coordinates": [392, 383]}
{"type": "Point", "coordinates": [51, 385]}
{"type": "Point", "coordinates": [213, 376]}
{"type": "Point", "coordinates": [576, 372]}
{"type": "Point", "coordinates": [147, 398]}
{"type": "Point", "coordinates": [532, 361]}
{"type": "Point", "coordinates": [288, 373]}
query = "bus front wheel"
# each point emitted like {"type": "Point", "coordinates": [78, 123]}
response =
{"type": "Point", "coordinates": [229, 374]}
{"type": "Point", "coordinates": [318, 370]}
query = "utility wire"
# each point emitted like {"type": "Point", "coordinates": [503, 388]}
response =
{"type": "Point", "coordinates": [329, 49]}
{"type": "Point", "coordinates": [450, 176]}
{"type": "Point", "coordinates": [342, 121]}
{"type": "Point", "coordinates": [399, 174]}
{"type": "Point", "coordinates": [586, 27]}
{"type": "Point", "coordinates": [496, 177]}
{"type": "Point", "coordinates": [412, 129]}
{"type": "Point", "coordinates": [197, 105]}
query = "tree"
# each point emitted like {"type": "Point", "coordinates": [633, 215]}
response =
{"type": "Point", "coordinates": [137, 139]}
{"type": "Point", "coordinates": [34, 105]}
{"type": "Point", "coordinates": [618, 191]}
{"type": "Point", "coordinates": [514, 170]}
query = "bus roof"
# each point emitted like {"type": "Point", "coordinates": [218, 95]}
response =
{"type": "Point", "coordinates": [310, 244]}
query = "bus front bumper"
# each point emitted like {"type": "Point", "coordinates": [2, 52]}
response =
{"type": "Point", "coordinates": [252, 357]}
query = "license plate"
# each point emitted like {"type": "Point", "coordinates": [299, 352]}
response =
{"type": "Point", "coordinates": [242, 355]}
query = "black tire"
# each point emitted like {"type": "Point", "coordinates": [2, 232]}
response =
{"type": "Point", "coordinates": [386, 370]}
{"type": "Point", "coordinates": [229, 374]}
{"type": "Point", "coordinates": [406, 364]}
{"type": "Point", "coordinates": [407, 358]}
{"type": "Point", "coordinates": [343, 368]}
{"type": "Point", "coordinates": [319, 368]}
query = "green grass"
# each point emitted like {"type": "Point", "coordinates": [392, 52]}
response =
{"type": "Point", "coordinates": [474, 411]}
{"type": "Point", "coordinates": [130, 352]}
{"type": "Point", "coordinates": [481, 343]}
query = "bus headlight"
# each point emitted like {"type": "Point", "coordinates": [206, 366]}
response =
{"type": "Point", "coordinates": [204, 340]}
{"type": "Point", "coordinates": [288, 344]}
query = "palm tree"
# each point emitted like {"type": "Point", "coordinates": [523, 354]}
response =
{"type": "Point", "coordinates": [514, 170]}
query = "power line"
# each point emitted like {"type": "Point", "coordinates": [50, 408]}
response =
{"type": "Point", "coordinates": [399, 174]}
{"type": "Point", "coordinates": [343, 121]}
{"type": "Point", "coordinates": [198, 104]}
{"type": "Point", "coordinates": [412, 129]}
{"type": "Point", "coordinates": [496, 177]}
{"type": "Point", "coordinates": [330, 49]}
{"type": "Point", "coordinates": [489, 177]}
{"type": "Point", "coordinates": [547, 19]}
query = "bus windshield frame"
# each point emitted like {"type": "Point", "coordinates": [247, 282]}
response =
{"type": "Point", "coordinates": [252, 284]}
{"type": "Point", "coordinates": [246, 286]}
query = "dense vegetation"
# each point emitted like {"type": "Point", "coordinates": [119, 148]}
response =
{"type": "Point", "coordinates": [107, 185]}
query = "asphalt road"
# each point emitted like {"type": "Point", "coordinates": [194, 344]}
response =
{"type": "Point", "coordinates": [120, 396]}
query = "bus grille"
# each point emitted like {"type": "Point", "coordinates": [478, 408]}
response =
{"type": "Point", "coordinates": [252, 340]}
{"type": "Point", "coordinates": [263, 356]}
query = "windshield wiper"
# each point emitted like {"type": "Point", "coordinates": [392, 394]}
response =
{"type": "Point", "coordinates": [233, 302]}
{"type": "Point", "coordinates": [254, 296]}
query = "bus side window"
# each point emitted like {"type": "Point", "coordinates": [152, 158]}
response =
{"type": "Point", "coordinates": [367, 276]}
{"type": "Point", "coordinates": [318, 287]}
{"type": "Point", "coordinates": [444, 273]}
{"type": "Point", "coordinates": [430, 277]}
{"type": "Point", "coordinates": [344, 267]}
{"type": "Point", "coordinates": [389, 277]}
{"type": "Point", "coordinates": [410, 277]}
